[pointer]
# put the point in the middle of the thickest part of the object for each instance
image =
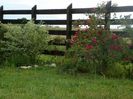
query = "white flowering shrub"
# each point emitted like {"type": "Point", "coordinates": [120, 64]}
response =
{"type": "Point", "coordinates": [25, 41]}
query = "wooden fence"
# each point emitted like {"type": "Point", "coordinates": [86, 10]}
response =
{"type": "Point", "coordinates": [68, 21]}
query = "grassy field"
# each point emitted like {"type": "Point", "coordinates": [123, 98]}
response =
{"type": "Point", "coordinates": [46, 83]}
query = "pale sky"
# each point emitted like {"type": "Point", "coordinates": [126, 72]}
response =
{"type": "Point", "coordinates": [51, 4]}
{"type": "Point", "coordinates": [55, 4]}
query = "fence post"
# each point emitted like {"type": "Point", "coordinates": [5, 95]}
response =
{"type": "Point", "coordinates": [69, 25]}
{"type": "Point", "coordinates": [1, 34]}
{"type": "Point", "coordinates": [1, 20]}
{"type": "Point", "coordinates": [33, 14]}
{"type": "Point", "coordinates": [1, 14]}
{"type": "Point", "coordinates": [107, 16]}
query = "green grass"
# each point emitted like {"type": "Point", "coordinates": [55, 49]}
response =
{"type": "Point", "coordinates": [46, 83]}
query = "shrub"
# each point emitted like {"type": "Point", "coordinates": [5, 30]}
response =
{"type": "Point", "coordinates": [120, 70]}
{"type": "Point", "coordinates": [27, 40]}
{"type": "Point", "coordinates": [67, 65]}
{"type": "Point", "coordinates": [58, 40]}
{"type": "Point", "coordinates": [100, 51]}
{"type": "Point", "coordinates": [3, 29]}
{"type": "Point", "coordinates": [97, 46]}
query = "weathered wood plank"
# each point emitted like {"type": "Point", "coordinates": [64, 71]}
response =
{"type": "Point", "coordinates": [64, 11]}
{"type": "Point", "coordinates": [56, 43]}
{"type": "Point", "coordinates": [20, 21]}
{"type": "Point", "coordinates": [1, 13]}
{"type": "Point", "coordinates": [63, 22]}
{"type": "Point", "coordinates": [69, 25]}
{"type": "Point", "coordinates": [52, 22]}
{"type": "Point", "coordinates": [15, 21]}
{"type": "Point", "coordinates": [83, 10]}
{"type": "Point", "coordinates": [52, 11]}
{"type": "Point", "coordinates": [122, 9]}
{"type": "Point", "coordinates": [54, 52]}
{"type": "Point", "coordinates": [33, 13]}
{"type": "Point", "coordinates": [17, 12]}
{"type": "Point", "coordinates": [107, 16]}
{"type": "Point", "coordinates": [59, 32]}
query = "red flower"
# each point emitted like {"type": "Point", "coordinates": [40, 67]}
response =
{"type": "Point", "coordinates": [114, 37]}
{"type": "Point", "coordinates": [85, 30]}
{"type": "Point", "coordinates": [115, 47]}
{"type": "Point", "coordinates": [130, 46]}
{"type": "Point", "coordinates": [74, 39]}
{"type": "Point", "coordinates": [89, 47]}
{"type": "Point", "coordinates": [99, 33]}
{"type": "Point", "coordinates": [126, 59]}
{"type": "Point", "coordinates": [94, 40]}
{"type": "Point", "coordinates": [76, 34]}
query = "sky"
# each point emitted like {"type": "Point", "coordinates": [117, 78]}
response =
{"type": "Point", "coordinates": [51, 4]}
{"type": "Point", "coordinates": [55, 4]}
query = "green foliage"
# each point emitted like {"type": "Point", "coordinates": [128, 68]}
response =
{"type": "Point", "coordinates": [67, 65]}
{"type": "Point", "coordinates": [3, 29]}
{"type": "Point", "coordinates": [95, 48]}
{"type": "Point", "coordinates": [18, 60]}
{"type": "Point", "coordinates": [27, 40]}
{"type": "Point", "coordinates": [126, 24]}
{"type": "Point", "coordinates": [120, 70]}
{"type": "Point", "coordinates": [58, 40]}
{"type": "Point", "coordinates": [49, 59]}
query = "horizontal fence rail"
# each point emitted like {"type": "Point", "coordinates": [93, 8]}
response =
{"type": "Point", "coordinates": [16, 12]}
{"type": "Point", "coordinates": [122, 9]}
{"type": "Point", "coordinates": [64, 11]}
{"type": "Point", "coordinates": [69, 11]}
{"type": "Point", "coordinates": [63, 22]}
{"type": "Point", "coordinates": [59, 32]}
{"type": "Point", "coordinates": [54, 52]}
{"type": "Point", "coordinates": [59, 11]}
